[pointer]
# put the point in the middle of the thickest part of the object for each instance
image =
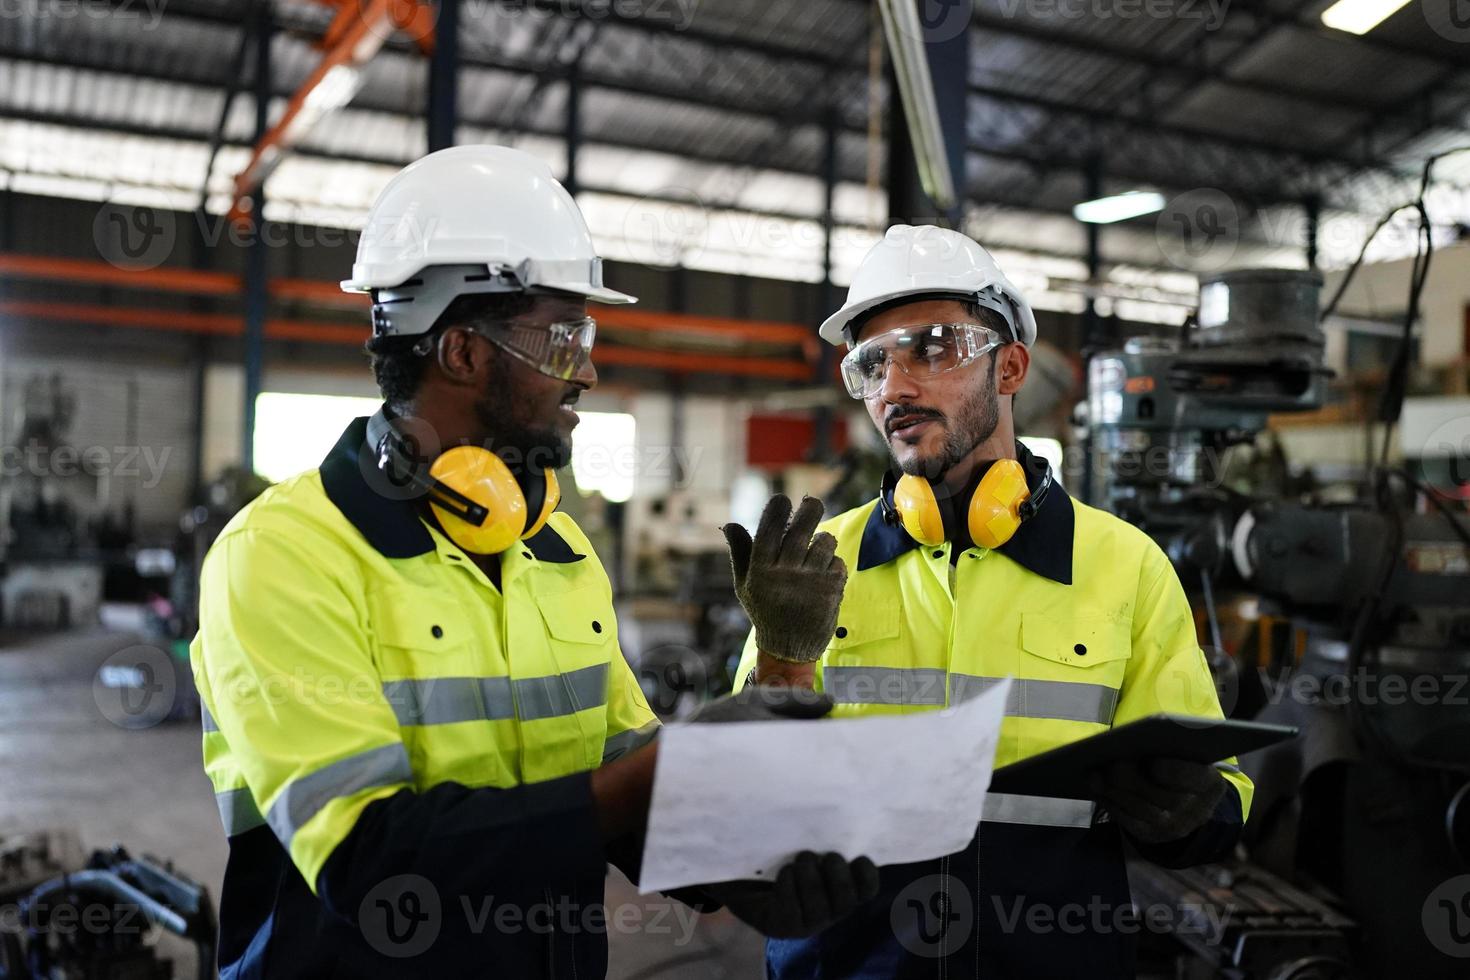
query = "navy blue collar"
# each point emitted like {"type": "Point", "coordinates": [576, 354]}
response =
{"type": "Point", "coordinates": [1042, 544]}
{"type": "Point", "coordinates": [386, 516]}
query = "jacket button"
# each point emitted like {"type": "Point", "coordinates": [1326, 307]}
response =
{"type": "Point", "coordinates": [841, 632]}
{"type": "Point", "coordinates": [596, 626]}
{"type": "Point", "coordinates": [1080, 650]}
{"type": "Point", "coordinates": [437, 630]}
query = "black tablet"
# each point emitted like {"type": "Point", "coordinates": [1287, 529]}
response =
{"type": "Point", "coordinates": [1064, 772]}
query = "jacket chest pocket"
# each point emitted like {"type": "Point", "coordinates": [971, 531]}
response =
{"type": "Point", "coordinates": [422, 634]}
{"type": "Point", "coordinates": [866, 664]}
{"type": "Point", "coordinates": [448, 690]}
{"type": "Point", "coordinates": [1071, 667]}
{"type": "Point", "coordinates": [565, 707]}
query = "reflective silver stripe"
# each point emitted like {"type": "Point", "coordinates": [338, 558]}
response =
{"type": "Point", "coordinates": [206, 720]}
{"type": "Point", "coordinates": [1064, 700]}
{"type": "Point", "coordinates": [448, 700]}
{"type": "Point", "coordinates": [304, 798]}
{"type": "Point", "coordinates": [237, 811]}
{"type": "Point", "coordinates": [1227, 767]}
{"type": "Point", "coordinates": [885, 685]}
{"type": "Point", "coordinates": [1038, 811]}
{"type": "Point", "coordinates": [624, 742]}
{"type": "Point", "coordinates": [561, 694]}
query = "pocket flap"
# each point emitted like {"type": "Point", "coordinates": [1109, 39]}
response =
{"type": "Point", "coordinates": [864, 623]}
{"type": "Point", "coordinates": [1077, 641]}
{"type": "Point", "coordinates": [578, 616]}
{"type": "Point", "coordinates": [418, 619]}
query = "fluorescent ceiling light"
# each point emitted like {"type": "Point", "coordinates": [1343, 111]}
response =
{"type": "Point", "coordinates": [1105, 210]}
{"type": "Point", "coordinates": [1360, 16]}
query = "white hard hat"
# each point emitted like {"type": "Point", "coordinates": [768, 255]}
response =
{"type": "Point", "coordinates": [929, 261]}
{"type": "Point", "coordinates": [471, 219]}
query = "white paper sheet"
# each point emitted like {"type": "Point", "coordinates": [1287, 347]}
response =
{"type": "Point", "coordinates": [740, 800]}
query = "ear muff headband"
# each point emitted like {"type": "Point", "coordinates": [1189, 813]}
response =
{"type": "Point", "coordinates": [998, 505]}
{"type": "Point", "coordinates": [475, 497]}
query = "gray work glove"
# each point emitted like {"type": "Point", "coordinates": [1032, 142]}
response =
{"type": "Point", "coordinates": [757, 703]}
{"type": "Point", "coordinates": [789, 582]}
{"type": "Point", "coordinates": [1160, 800]}
{"type": "Point", "coordinates": [809, 894]}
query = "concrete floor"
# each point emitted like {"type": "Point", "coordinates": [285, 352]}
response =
{"type": "Point", "coordinates": [63, 764]}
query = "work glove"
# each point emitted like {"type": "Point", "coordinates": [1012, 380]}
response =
{"type": "Point", "coordinates": [789, 582]}
{"type": "Point", "coordinates": [809, 894]}
{"type": "Point", "coordinates": [1160, 800]}
{"type": "Point", "coordinates": [757, 703]}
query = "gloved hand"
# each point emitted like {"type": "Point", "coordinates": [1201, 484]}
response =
{"type": "Point", "coordinates": [757, 703]}
{"type": "Point", "coordinates": [789, 582]}
{"type": "Point", "coordinates": [809, 894]}
{"type": "Point", "coordinates": [1160, 800]}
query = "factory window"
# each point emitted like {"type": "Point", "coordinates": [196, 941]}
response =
{"type": "Point", "coordinates": [605, 454]}
{"type": "Point", "coordinates": [293, 432]}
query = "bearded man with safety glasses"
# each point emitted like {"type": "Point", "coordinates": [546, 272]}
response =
{"type": "Point", "coordinates": [973, 564]}
{"type": "Point", "coordinates": [423, 737]}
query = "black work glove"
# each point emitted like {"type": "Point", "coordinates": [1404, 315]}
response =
{"type": "Point", "coordinates": [789, 582]}
{"type": "Point", "coordinates": [1160, 800]}
{"type": "Point", "coordinates": [808, 895]}
{"type": "Point", "coordinates": [757, 703]}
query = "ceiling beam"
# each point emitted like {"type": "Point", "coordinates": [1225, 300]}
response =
{"type": "Point", "coordinates": [1162, 65]}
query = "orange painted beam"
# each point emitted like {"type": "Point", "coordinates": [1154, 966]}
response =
{"type": "Point", "coordinates": [685, 363]}
{"type": "Point", "coordinates": [763, 331]}
{"type": "Point", "coordinates": [355, 35]}
{"type": "Point", "coordinates": [163, 278]}
{"type": "Point", "coordinates": [218, 324]}
{"type": "Point", "coordinates": [200, 282]}
{"type": "Point", "coordinates": [231, 325]}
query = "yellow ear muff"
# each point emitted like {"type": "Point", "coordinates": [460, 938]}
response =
{"type": "Point", "coordinates": [470, 477]}
{"type": "Point", "coordinates": [995, 507]}
{"type": "Point", "coordinates": [913, 499]}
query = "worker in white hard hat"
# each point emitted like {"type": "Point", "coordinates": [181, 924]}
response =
{"type": "Point", "coordinates": [972, 564]}
{"type": "Point", "coordinates": [422, 734]}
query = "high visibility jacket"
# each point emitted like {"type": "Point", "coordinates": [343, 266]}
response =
{"type": "Point", "coordinates": [1087, 614]}
{"type": "Point", "coordinates": [395, 740]}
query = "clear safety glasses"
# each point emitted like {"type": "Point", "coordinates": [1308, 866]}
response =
{"type": "Point", "coordinates": [920, 352]}
{"type": "Point", "coordinates": [560, 350]}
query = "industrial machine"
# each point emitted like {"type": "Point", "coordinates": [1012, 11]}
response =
{"type": "Point", "coordinates": [1371, 801]}
{"type": "Point", "coordinates": [98, 919]}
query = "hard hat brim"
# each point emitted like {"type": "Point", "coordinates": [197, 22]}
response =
{"type": "Point", "coordinates": [595, 294]}
{"type": "Point", "coordinates": [834, 329]}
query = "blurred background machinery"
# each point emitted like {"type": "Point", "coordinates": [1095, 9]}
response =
{"type": "Point", "coordinates": [1370, 582]}
{"type": "Point", "coordinates": [103, 917]}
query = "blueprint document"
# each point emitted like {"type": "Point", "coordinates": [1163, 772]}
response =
{"type": "Point", "coordinates": [740, 800]}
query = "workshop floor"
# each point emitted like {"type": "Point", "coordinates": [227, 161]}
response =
{"type": "Point", "coordinates": [63, 764]}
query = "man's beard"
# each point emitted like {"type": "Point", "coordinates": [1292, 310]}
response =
{"type": "Point", "coordinates": [523, 447]}
{"type": "Point", "coordinates": [970, 425]}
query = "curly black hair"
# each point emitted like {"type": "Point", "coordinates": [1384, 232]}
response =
{"type": "Point", "coordinates": [399, 371]}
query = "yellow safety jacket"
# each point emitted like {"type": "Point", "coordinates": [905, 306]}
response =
{"type": "Point", "coordinates": [1082, 609]}
{"type": "Point", "coordinates": [366, 685]}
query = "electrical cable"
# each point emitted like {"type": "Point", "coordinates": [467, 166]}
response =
{"type": "Point", "coordinates": [1390, 404]}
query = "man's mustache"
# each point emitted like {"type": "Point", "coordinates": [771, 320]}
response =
{"type": "Point", "coordinates": [906, 415]}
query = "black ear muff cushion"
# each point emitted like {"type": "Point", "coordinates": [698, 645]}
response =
{"type": "Point", "coordinates": [534, 488]}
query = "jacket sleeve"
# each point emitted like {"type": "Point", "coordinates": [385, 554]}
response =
{"type": "Point", "coordinates": [1167, 672]}
{"type": "Point", "coordinates": [288, 676]}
